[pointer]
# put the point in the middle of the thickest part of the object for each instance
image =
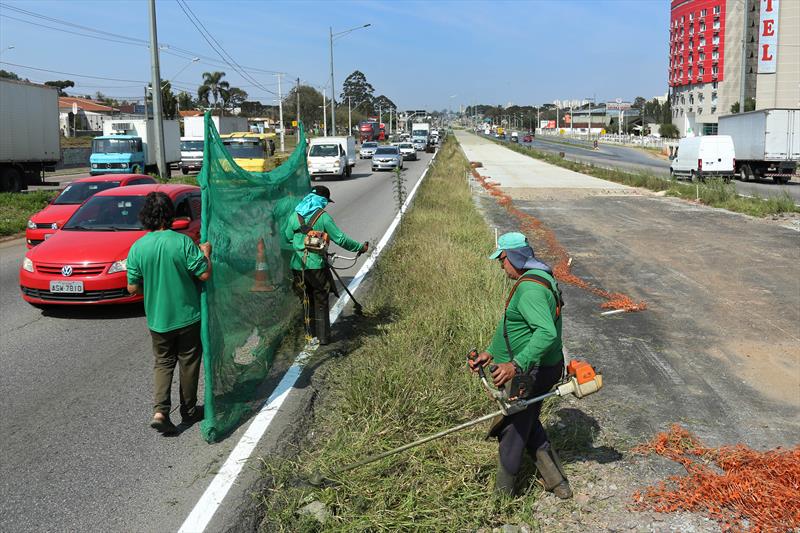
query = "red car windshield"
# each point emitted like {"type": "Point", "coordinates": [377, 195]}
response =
{"type": "Point", "coordinates": [108, 213]}
{"type": "Point", "coordinates": [77, 193]}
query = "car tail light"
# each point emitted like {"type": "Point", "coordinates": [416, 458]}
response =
{"type": "Point", "coordinates": [699, 165]}
{"type": "Point", "coordinates": [734, 162]}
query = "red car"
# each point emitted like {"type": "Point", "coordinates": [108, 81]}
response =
{"type": "Point", "coordinates": [85, 261]}
{"type": "Point", "coordinates": [527, 139]}
{"type": "Point", "coordinates": [47, 221]}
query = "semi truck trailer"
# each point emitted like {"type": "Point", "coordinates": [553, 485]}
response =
{"type": "Point", "coordinates": [30, 141]}
{"type": "Point", "coordinates": [767, 143]}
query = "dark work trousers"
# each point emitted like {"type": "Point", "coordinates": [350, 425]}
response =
{"type": "Point", "coordinates": [315, 284]}
{"type": "Point", "coordinates": [182, 346]}
{"type": "Point", "coordinates": [523, 430]}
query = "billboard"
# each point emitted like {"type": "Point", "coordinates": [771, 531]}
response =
{"type": "Point", "coordinates": [547, 124]}
{"type": "Point", "coordinates": [768, 37]}
{"type": "Point", "coordinates": [621, 106]}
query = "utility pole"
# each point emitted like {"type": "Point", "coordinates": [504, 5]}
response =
{"type": "Point", "coordinates": [297, 130]}
{"type": "Point", "coordinates": [349, 115]}
{"type": "Point", "coordinates": [324, 115]}
{"type": "Point", "coordinates": [158, 124]}
{"type": "Point", "coordinates": [333, 88]}
{"type": "Point", "coordinates": [280, 112]}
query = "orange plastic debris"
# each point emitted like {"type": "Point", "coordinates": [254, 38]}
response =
{"type": "Point", "coordinates": [561, 269]}
{"type": "Point", "coordinates": [741, 488]}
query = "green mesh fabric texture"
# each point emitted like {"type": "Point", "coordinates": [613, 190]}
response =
{"type": "Point", "coordinates": [248, 304]}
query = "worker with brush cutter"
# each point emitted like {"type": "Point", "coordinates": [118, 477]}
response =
{"type": "Point", "coordinates": [309, 231]}
{"type": "Point", "coordinates": [525, 356]}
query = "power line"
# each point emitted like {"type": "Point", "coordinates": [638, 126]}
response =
{"type": "Point", "coordinates": [221, 51]}
{"type": "Point", "coordinates": [70, 73]}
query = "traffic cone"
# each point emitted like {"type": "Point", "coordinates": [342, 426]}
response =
{"type": "Point", "coordinates": [261, 280]}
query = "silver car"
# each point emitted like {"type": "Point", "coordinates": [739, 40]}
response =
{"type": "Point", "coordinates": [367, 149]}
{"type": "Point", "coordinates": [387, 157]}
{"type": "Point", "coordinates": [408, 151]}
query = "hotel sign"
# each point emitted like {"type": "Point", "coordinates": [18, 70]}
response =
{"type": "Point", "coordinates": [768, 37]}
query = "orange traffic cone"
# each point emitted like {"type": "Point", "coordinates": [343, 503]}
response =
{"type": "Point", "coordinates": [261, 280]}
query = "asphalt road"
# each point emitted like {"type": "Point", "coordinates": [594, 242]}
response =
{"type": "Point", "coordinates": [76, 387]}
{"type": "Point", "coordinates": [627, 158]}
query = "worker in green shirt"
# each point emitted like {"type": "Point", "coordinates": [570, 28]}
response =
{"type": "Point", "coordinates": [527, 341]}
{"type": "Point", "coordinates": [312, 279]}
{"type": "Point", "coordinates": [165, 265]}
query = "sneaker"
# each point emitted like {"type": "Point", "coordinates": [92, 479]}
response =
{"type": "Point", "coordinates": [163, 425]}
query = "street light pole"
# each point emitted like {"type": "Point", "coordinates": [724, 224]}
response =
{"type": "Point", "coordinates": [280, 111]}
{"type": "Point", "coordinates": [158, 125]}
{"type": "Point", "coordinates": [349, 115]}
{"type": "Point", "coordinates": [324, 115]}
{"type": "Point", "coordinates": [333, 86]}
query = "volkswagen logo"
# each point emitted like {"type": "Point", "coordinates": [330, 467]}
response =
{"type": "Point", "coordinates": [66, 270]}
{"type": "Point", "coordinates": [54, 225]}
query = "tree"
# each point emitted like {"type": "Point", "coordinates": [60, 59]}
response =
{"type": "Point", "coordinates": [254, 109]}
{"type": "Point", "coordinates": [169, 102]}
{"type": "Point", "coordinates": [383, 104]}
{"type": "Point", "coordinates": [232, 97]}
{"type": "Point", "coordinates": [211, 87]}
{"type": "Point", "coordinates": [639, 102]}
{"type": "Point", "coordinates": [749, 105]}
{"type": "Point", "coordinates": [359, 90]}
{"type": "Point", "coordinates": [668, 130]}
{"type": "Point", "coordinates": [60, 85]}
{"type": "Point", "coordinates": [9, 75]}
{"type": "Point", "coordinates": [310, 104]}
{"type": "Point", "coordinates": [185, 101]}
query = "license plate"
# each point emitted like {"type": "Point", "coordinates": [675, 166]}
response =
{"type": "Point", "coordinates": [73, 287]}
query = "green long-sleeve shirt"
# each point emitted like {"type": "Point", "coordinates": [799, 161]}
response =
{"type": "Point", "coordinates": [533, 331]}
{"type": "Point", "coordinates": [314, 261]}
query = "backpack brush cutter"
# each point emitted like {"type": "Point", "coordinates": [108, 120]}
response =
{"type": "Point", "coordinates": [581, 380]}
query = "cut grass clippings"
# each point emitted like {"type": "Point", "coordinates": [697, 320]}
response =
{"type": "Point", "coordinates": [16, 208]}
{"type": "Point", "coordinates": [435, 295]}
{"type": "Point", "coordinates": [713, 192]}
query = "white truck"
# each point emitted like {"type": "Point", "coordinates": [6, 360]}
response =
{"type": "Point", "coordinates": [767, 143]}
{"type": "Point", "coordinates": [30, 141]}
{"type": "Point", "coordinates": [331, 156]}
{"type": "Point", "coordinates": [420, 135]}
{"type": "Point", "coordinates": [126, 146]}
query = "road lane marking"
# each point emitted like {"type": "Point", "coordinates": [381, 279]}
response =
{"type": "Point", "coordinates": [215, 493]}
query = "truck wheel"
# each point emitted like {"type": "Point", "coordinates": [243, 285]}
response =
{"type": "Point", "coordinates": [693, 176]}
{"type": "Point", "coordinates": [11, 180]}
{"type": "Point", "coordinates": [184, 171]}
{"type": "Point", "coordinates": [744, 173]}
{"type": "Point", "coordinates": [136, 169]}
{"type": "Point", "coordinates": [780, 179]}
{"type": "Point", "coordinates": [671, 174]}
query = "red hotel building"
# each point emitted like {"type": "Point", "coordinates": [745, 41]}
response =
{"type": "Point", "coordinates": [705, 60]}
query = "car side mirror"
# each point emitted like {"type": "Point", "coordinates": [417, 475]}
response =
{"type": "Point", "coordinates": [180, 223]}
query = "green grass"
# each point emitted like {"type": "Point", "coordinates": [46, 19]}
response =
{"type": "Point", "coordinates": [16, 208]}
{"type": "Point", "coordinates": [714, 192]}
{"type": "Point", "coordinates": [435, 295]}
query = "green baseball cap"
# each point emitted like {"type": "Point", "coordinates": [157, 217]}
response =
{"type": "Point", "coordinates": [509, 241]}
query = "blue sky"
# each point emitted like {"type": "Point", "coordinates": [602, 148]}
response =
{"type": "Point", "coordinates": [432, 54]}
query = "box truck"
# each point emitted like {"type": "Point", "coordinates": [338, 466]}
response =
{"type": "Point", "coordinates": [767, 142]}
{"type": "Point", "coordinates": [30, 141]}
{"type": "Point", "coordinates": [420, 135]}
{"type": "Point", "coordinates": [126, 147]}
{"type": "Point", "coordinates": [331, 156]}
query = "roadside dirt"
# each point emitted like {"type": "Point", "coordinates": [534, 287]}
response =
{"type": "Point", "coordinates": [717, 350]}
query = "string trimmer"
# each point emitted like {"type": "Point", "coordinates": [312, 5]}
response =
{"type": "Point", "coordinates": [329, 260]}
{"type": "Point", "coordinates": [581, 380]}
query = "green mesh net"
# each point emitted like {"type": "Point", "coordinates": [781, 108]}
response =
{"type": "Point", "coordinates": [248, 304]}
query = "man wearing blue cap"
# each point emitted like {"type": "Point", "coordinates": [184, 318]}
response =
{"type": "Point", "coordinates": [312, 279]}
{"type": "Point", "coordinates": [527, 341]}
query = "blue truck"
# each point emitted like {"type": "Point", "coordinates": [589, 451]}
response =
{"type": "Point", "coordinates": [125, 147]}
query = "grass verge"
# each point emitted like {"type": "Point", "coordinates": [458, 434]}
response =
{"type": "Point", "coordinates": [713, 192]}
{"type": "Point", "coordinates": [16, 208]}
{"type": "Point", "coordinates": [435, 295]}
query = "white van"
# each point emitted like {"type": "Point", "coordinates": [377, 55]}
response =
{"type": "Point", "coordinates": [704, 156]}
{"type": "Point", "coordinates": [331, 156]}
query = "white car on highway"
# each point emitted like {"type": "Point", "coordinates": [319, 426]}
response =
{"type": "Point", "coordinates": [408, 151]}
{"type": "Point", "coordinates": [367, 149]}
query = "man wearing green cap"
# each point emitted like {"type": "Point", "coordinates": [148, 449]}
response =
{"type": "Point", "coordinates": [527, 341]}
{"type": "Point", "coordinates": [312, 279]}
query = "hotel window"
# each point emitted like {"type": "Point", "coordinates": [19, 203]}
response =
{"type": "Point", "coordinates": [699, 110]}
{"type": "Point", "coordinates": [716, 10]}
{"type": "Point", "coordinates": [703, 12]}
{"type": "Point", "coordinates": [713, 109]}
{"type": "Point", "coordinates": [714, 85]}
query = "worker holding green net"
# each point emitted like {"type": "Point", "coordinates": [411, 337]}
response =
{"type": "Point", "coordinates": [309, 230]}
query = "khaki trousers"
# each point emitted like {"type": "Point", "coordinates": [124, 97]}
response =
{"type": "Point", "coordinates": [182, 346]}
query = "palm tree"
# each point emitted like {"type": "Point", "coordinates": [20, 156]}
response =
{"type": "Point", "coordinates": [213, 86]}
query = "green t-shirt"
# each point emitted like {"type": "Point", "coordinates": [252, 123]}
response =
{"type": "Point", "coordinates": [166, 265]}
{"type": "Point", "coordinates": [533, 331]}
{"type": "Point", "coordinates": [324, 223]}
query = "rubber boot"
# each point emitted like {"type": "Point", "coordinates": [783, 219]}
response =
{"type": "Point", "coordinates": [552, 473]}
{"type": "Point", "coordinates": [504, 482]}
{"type": "Point", "coordinates": [322, 321]}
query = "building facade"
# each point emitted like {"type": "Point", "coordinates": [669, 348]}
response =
{"type": "Point", "coordinates": [720, 50]}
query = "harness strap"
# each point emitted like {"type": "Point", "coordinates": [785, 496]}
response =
{"type": "Point", "coordinates": [305, 228]}
{"type": "Point", "coordinates": [544, 282]}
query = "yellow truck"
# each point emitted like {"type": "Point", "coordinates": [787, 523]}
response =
{"type": "Point", "coordinates": [250, 151]}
